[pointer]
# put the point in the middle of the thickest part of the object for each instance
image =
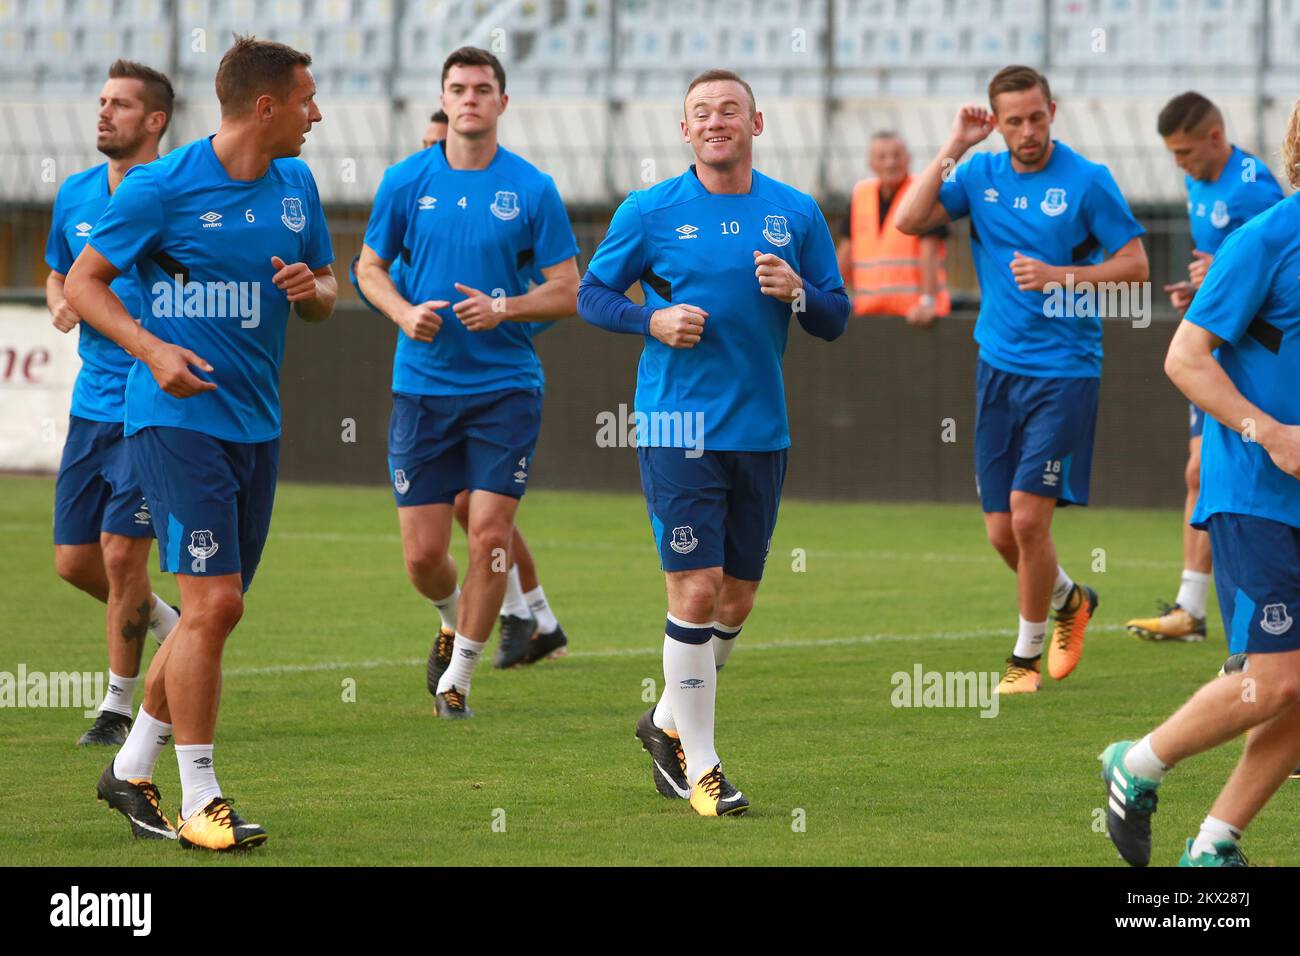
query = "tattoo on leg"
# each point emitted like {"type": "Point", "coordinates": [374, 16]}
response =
{"type": "Point", "coordinates": [132, 632]}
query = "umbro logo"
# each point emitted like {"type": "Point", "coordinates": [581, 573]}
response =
{"type": "Point", "coordinates": [203, 762]}
{"type": "Point", "coordinates": [211, 220]}
{"type": "Point", "coordinates": [426, 202]}
{"type": "Point", "coordinates": [990, 195]}
{"type": "Point", "coordinates": [83, 230]}
{"type": "Point", "coordinates": [687, 231]}
{"type": "Point", "coordinates": [691, 683]}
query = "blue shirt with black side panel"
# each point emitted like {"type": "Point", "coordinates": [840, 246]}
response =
{"type": "Point", "coordinates": [492, 229]}
{"type": "Point", "coordinates": [687, 246]}
{"type": "Point", "coordinates": [1251, 300]}
{"type": "Point", "coordinates": [202, 244]}
{"type": "Point", "coordinates": [101, 384]}
{"type": "Point", "coordinates": [1244, 188]}
{"type": "Point", "coordinates": [1068, 213]}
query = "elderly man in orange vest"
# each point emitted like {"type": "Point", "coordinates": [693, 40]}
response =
{"type": "Point", "coordinates": [891, 273]}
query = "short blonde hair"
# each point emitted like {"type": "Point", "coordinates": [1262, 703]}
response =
{"type": "Point", "coordinates": [1291, 147]}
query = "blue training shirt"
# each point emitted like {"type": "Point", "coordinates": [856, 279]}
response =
{"type": "Point", "coordinates": [99, 392]}
{"type": "Point", "coordinates": [1251, 300]}
{"type": "Point", "coordinates": [491, 229]}
{"type": "Point", "coordinates": [687, 246]}
{"type": "Point", "coordinates": [1244, 188]}
{"type": "Point", "coordinates": [202, 244]}
{"type": "Point", "coordinates": [1068, 213]}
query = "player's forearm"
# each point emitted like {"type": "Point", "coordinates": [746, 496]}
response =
{"type": "Point", "coordinates": [612, 311]}
{"type": "Point", "coordinates": [1199, 376]}
{"type": "Point", "coordinates": [825, 314]}
{"type": "Point", "coordinates": [95, 301]}
{"type": "Point", "coordinates": [1118, 268]}
{"type": "Point", "coordinates": [377, 286]}
{"type": "Point", "coordinates": [552, 299]}
{"type": "Point", "coordinates": [917, 204]}
{"type": "Point", "coordinates": [54, 292]}
{"type": "Point", "coordinates": [930, 267]}
{"type": "Point", "coordinates": [320, 308]}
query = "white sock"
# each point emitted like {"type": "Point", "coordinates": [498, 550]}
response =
{"type": "Point", "coordinates": [1061, 589]}
{"type": "Point", "coordinates": [198, 777]}
{"type": "Point", "coordinates": [1213, 831]}
{"type": "Point", "coordinates": [690, 684]}
{"type": "Point", "coordinates": [162, 619]}
{"type": "Point", "coordinates": [1193, 592]}
{"type": "Point", "coordinates": [1029, 644]}
{"type": "Point", "coordinates": [663, 715]}
{"type": "Point", "coordinates": [724, 642]}
{"type": "Point", "coordinates": [144, 744]}
{"type": "Point", "coordinates": [514, 603]}
{"type": "Point", "coordinates": [1142, 761]}
{"type": "Point", "coordinates": [120, 695]}
{"type": "Point", "coordinates": [447, 609]}
{"type": "Point", "coordinates": [464, 655]}
{"type": "Point", "coordinates": [546, 622]}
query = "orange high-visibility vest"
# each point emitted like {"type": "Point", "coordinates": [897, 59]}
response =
{"type": "Point", "coordinates": [887, 263]}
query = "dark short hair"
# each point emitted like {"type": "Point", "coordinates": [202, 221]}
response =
{"type": "Point", "coordinates": [438, 117]}
{"type": "Point", "coordinates": [886, 134]}
{"type": "Point", "coordinates": [158, 97]}
{"type": "Point", "coordinates": [474, 56]}
{"type": "Point", "coordinates": [1013, 79]}
{"type": "Point", "coordinates": [1185, 112]}
{"type": "Point", "coordinates": [713, 76]}
{"type": "Point", "coordinates": [252, 68]}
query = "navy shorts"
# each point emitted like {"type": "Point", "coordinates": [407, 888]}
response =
{"type": "Point", "coordinates": [1033, 434]}
{"type": "Point", "coordinates": [1257, 577]}
{"type": "Point", "coordinates": [1196, 421]}
{"type": "Point", "coordinates": [439, 445]}
{"type": "Point", "coordinates": [717, 510]}
{"type": "Point", "coordinates": [96, 490]}
{"type": "Point", "coordinates": [211, 499]}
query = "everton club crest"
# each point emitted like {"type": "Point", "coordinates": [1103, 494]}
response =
{"type": "Point", "coordinates": [202, 545]}
{"type": "Point", "coordinates": [776, 230]}
{"type": "Point", "coordinates": [1054, 203]}
{"type": "Point", "coordinates": [684, 540]}
{"type": "Point", "coordinates": [293, 216]}
{"type": "Point", "coordinates": [1275, 620]}
{"type": "Point", "coordinates": [505, 206]}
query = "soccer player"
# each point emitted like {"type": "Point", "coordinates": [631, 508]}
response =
{"type": "Point", "coordinates": [1226, 187]}
{"type": "Point", "coordinates": [102, 529]}
{"type": "Point", "coordinates": [227, 235]}
{"type": "Point", "coordinates": [470, 221]}
{"type": "Point", "coordinates": [724, 255]}
{"type": "Point", "coordinates": [530, 632]}
{"type": "Point", "coordinates": [1041, 214]}
{"type": "Point", "coordinates": [1235, 354]}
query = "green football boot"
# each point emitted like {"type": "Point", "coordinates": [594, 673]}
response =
{"type": "Point", "coordinates": [1226, 853]}
{"type": "Point", "coordinates": [1130, 801]}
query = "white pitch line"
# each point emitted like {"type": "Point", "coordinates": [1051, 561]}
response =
{"type": "Point", "coordinates": [647, 651]}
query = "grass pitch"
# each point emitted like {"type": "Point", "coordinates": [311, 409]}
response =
{"type": "Point", "coordinates": [549, 772]}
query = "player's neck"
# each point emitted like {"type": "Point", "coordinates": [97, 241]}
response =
{"type": "Point", "coordinates": [240, 154]}
{"type": "Point", "coordinates": [1039, 166]}
{"type": "Point", "coordinates": [118, 168]}
{"type": "Point", "coordinates": [470, 153]}
{"type": "Point", "coordinates": [1220, 161]}
{"type": "Point", "coordinates": [737, 178]}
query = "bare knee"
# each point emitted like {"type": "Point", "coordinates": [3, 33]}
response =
{"type": "Point", "coordinates": [734, 605]}
{"type": "Point", "coordinates": [1001, 537]}
{"type": "Point", "coordinates": [124, 562]}
{"type": "Point", "coordinates": [80, 567]}
{"type": "Point", "coordinates": [217, 612]}
{"type": "Point", "coordinates": [693, 596]}
{"type": "Point", "coordinates": [1028, 528]}
{"type": "Point", "coordinates": [490, 542]}
{"type": "Point", "coordinates": [1192, 475]}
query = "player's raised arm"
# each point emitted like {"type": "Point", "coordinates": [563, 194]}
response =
{"type": "Point", "coordinates": [920, 210]}
{"type": "Point", "coordinates": [89, 295]}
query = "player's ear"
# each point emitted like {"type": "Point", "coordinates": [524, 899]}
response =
{"type": "Point", "coordinates": [1051, 111]}
{"type": "Point", "coordinates": [758, 123]}
{"type": "Point", "coordinates": [505, 99]}
{"type": "Point", "coordinates": [686, 136]}
{"type": "Point", "coordinates": [264, 107]}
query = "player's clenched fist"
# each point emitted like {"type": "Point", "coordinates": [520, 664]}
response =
{"type": "Point", "coordinates": [1031, 274]}
{"type": "Point", "coordinates": [1283, 446]}
{"type": "Point", "coordinates": [972, 125]}
{"type": "Point", "coordinates": [478, 311]}
{"type": "Point", "coordinates": [1180, 295]}
{"type": "Point", "coordinates": [775, 277]}
{"type": "Point", "coordinates": [65, 320]}
{"type": "Point", "coordinates": [170, 365]}
{"type": "Point", "coordinates": [422, 321]}
{"type": "Point", "coordinates": [296, 281]}
{"type": "Point", "coordinates": [678, 326]}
